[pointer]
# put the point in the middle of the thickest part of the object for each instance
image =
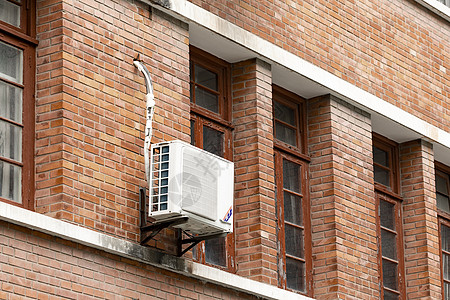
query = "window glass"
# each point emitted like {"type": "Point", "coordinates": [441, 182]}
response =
{"type": "Point", "coordinates": [10, 182]}
{"type": "Point", "coordinates": [388, 244]}
{"type": "Point", "coordinates": [445, 238]}
{"type": "Point", "coordinates": [293, 212]}
{"type": "Point", "coordinates": [388, 295]}
{"type": "Point", "coordinates": [285, 134]}
{"type": "Point", "coordinates": [382, 176]}
{"type": "Point", "coordinates": [389, 274]}
{"type": "Point", "coordinates": [10, 102]}
{"type": "Point", "coordinates": [387, 217]}
{"type": "Point", "coordinates": [204, 88]}
{"type": "Point", "coordinates": [380, 157]}
{"type": "Point", "coordinates": [295, 275]}
{"type": "Point", "coordinates": [284, 113]}
{"type": "Point", "coordinates": [10, 13]}
{"type": "Point", "coordinates": [205, 78]}
{"type": "Point", "coordinates": [10, 141]}
{"type": "Point", "coordinates": [10, 63]}
{"type": "Point", "coordinates": [213, 141]}
{"type": "Point", "coordinates": [294, 241]}
{"type": "Point", "coordinates": [291, 176]}
{"type": "Point", "coordinates": [215, 251]}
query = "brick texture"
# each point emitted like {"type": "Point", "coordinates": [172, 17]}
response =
{"type": "Point", "coordinates": [90, 107]}
{"type": "Point", "coordinates": [37, 266]}
{"type": "Point", "coordinates": [255, 223]}
{"type": "Point", "coordinates": [396, 50]}
{"type": "Point", "coordinates": [342, 201]}
{"type": "Point", "coordinates": [422, 257]}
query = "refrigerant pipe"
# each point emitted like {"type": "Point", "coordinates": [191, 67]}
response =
{"type": "Point", "coordinates": [150, 109]}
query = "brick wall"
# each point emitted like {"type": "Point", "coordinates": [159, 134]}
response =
{"type": "Point", "coordinates": [255, 220]}
{"type": "Point", "coordinates": [422, 254]}
{"type": "Point", "coordinates": [38, 266]}
{"type": "Point", "coordinates": [342, 201]}
{"type": "Point", "coordinates": [90, 107]}
{"type": "Point", "coordinates": [389, 48]}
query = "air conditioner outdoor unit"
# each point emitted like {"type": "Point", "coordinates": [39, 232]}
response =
{"type": "Point", "coordinates": [186, 181]}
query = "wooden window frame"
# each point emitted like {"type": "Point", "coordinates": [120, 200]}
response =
{"type": "Point", "coordinates": [298, 104]}
{"type": "Point", "coordinates": [444, 219]}
{"type": "Point", "coordinates": [399, 243]}
{"type": "Point", "coordinates": [298, 156]}
{"type": "Point", "coordinates": [23, 38]}
{"type": "Point", "coordinates": [446, 222]}
{"type": "Point", "coordinates": [220, 121]}
{"type": "Point", "coordinates": [391, 148]}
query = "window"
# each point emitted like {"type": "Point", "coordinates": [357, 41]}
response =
{"type": "Point", "coordinates": [211, 131]}
{"type": "Point", "coordinates": [17, 65]}
{"type": "Point", "coordinates": [293, 208]}
{"type": "Point", "coordinates": [442, 182]}
{"type": "Point", "coordinates": [445, 258]}
{"type": "Point", "coordinates": [385, 164]}
{"type": "Point", "coordinates": [389, 220]}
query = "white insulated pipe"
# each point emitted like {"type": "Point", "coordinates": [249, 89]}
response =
{"type": "Point", "coordinates": [150, 109]}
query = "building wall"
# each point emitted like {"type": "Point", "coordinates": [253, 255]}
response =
{"type": "Point", "coordinates": [396, 50]}
{"type": "Point", "coordinates": [90, 118]}
{"type": "Point", "coordinates": [91, 108]}
{"type": "Point", "coordinates": [40, 266]}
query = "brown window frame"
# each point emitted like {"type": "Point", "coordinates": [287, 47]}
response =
{"type": "Point", "coordinates": [390, 194]}
{"type": "Point", "coordinates": [23, 38]}
{"type": "Point", "coordinates": [221, 122]}
{"type": "Point", "coordinates": [444, 219]}
{"type": "Point", "coordinates": [297, 155]}
{"type": "Point", "coordinates": [391, 148]}
{"type": "Point", "coordinates": [399, 244]}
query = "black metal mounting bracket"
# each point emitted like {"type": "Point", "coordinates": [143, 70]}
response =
{"type": "Point", "coordinates": [149, 231]}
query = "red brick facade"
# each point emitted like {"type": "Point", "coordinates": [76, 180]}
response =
{"type": "Point", "coordinates": [89, 137]}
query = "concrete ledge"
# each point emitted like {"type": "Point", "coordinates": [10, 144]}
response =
{"type": "Point", "coordinates": [19, 216]}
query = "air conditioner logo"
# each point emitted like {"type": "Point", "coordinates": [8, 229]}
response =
{"type": "Point", "coordinates": [228, 214]}
{"type": "Point", "coordinates": [191, 186]}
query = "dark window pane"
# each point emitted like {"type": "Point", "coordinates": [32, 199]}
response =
{"type": "Point", "coordinates": [445, 237]}
{"type": "Point", "coordinates": [291, 176]}
{"type": "Point", "coordinates": [192, 132]}
{"type": "Point", "coordinates": [215, 252]}
{"type": "Point", "coordinates": [388, 244]}
{"type": "Point", "coordinates": [380, 157]}
{"type": "Point", "coordinates": [206, 99]}
{"type": "Point", "coordinates": [285, 134]}
{"type": "Point", "coordinates": [390, 295]}
{"type": "Point", "coordinates": [387, 214]}
{"type": "Point", "coordinates": [443, 202]}
{"type": "Point", "coordinates": [293, 209]}
{"type": "Point", "coordinates": [382, 176]}
{"type": "Point", "coordinates": [284, 113]}
{"type": "Point", "coordinates": [205, 78]}
{"type": "Point", "coordinates": [295, 275]}
{"type": "Point", "coordinates": [213, 141]}
{"type": "Point", "coordinates": [294, 241]}
{"type": "Point", "coordinates": [389, 274]}
{"type": "Point", "coordinates": [446, 266]}
{"type": "Point", "coordinates": [441, 185]}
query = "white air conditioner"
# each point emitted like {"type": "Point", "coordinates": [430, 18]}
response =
{"type": "Point", "coordinates": [186, 181]}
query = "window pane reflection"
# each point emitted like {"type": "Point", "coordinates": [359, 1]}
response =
{"type": "Point", "coordinates": [10, 102]}
{"type": "Point", "coordinates": [10, 13]}
{"type": "Point", "coordinates": [10, 182]}
{"type": "Point", "coordinates": [10, 141]}
{"type": "Point", "coordinates": [10, 63]}
{"type": "Point", "coordinates": [215, 251]}
{"type": "Point", "coordinates": [213, 141]}
{"type": "Point", "coordinates": [295, 275]}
